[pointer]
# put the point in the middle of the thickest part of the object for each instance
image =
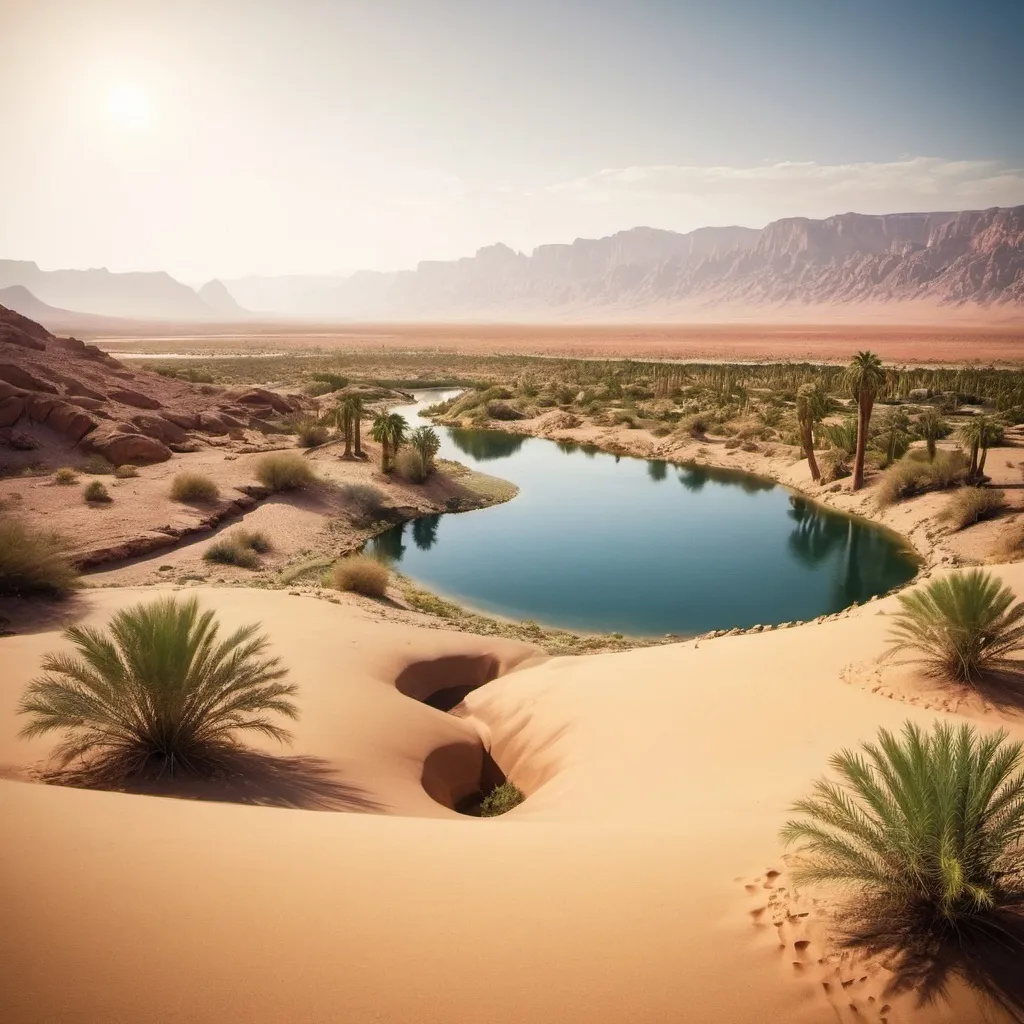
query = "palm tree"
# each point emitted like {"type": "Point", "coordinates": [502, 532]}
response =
{"type": "Point", "coordinates": [978, 434]}
{"type": "Point", "coordinates": [931, 426]}
{"type": "Point", "coordinates": [342, 418]}
{"type": "Point", "coordinates": [157, 691]}
{"type": "Point", "coordinates": [963, 625]}
{"type": "Point", "coordinates": [427, 443]}
{"type": "Point", "coordinates": [925, 827]}
{"type": "Point", "coordinates": [864, 377]}
{"type": "Point", "coordinates": [389, 431]}
{"type": "Point", "coordinates": [811, 407]}
{"type": "Point", "coordinates": [894, 435]}
{"type": "Point", "coordinates": [354, 406]}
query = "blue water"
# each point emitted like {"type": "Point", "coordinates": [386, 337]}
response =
{"type": "Point", "coordinates": [599, 543]}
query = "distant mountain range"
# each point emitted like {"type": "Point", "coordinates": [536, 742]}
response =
{"type": "Point", "coordinates": [946, 258]}
{"type": "Point", "coordinates": [973, 257]}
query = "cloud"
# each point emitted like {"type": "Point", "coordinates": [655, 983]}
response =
{"type": "Point", "coordinates": [790, 188]}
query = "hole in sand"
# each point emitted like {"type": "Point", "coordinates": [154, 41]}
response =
{"type": "Point", "coordinates": [443, 683]}
{"type": "Point", "coordinates": [460, 775]}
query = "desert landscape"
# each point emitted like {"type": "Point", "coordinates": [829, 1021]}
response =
{"type": "Point", "coordinates": [652, 837]}
{"type": "Point", "coordinates": [511, 513]}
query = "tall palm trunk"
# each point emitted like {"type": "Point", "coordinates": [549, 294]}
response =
{"type": "Point", "coordinates": [358, 435]}
{"type": "Point", "coordinates": [385, 456]}
{"type": "Point", "coordinates": [930, 441]}
{"type": "Point", "coordinates": [864, 406]}
{"type": "Point", "coordinates": [812, 462]}
{"type": "Point", "coordinates": [346, 425]}
{"type": "Point", "coordinates": [981, 461]}
{"type": "Point", "coordinates": [973, 472]}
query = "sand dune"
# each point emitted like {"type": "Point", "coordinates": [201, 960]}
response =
{"type": "Point", "coordinates": [639, 882]}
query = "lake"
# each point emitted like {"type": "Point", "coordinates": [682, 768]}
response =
{"type": "Point", "coordinates": [600, 543]}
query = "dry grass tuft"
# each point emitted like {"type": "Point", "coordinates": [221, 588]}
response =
{"type": "Point", "coordinates": [194, 488]}
{"type": "Point", "coordinates": [360, 574]}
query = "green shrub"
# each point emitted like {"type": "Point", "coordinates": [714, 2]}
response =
{"type": "Point", "coordinates": [96, 465]}
{"type": "Point", "coordinates": [970, 505]}
{"type": "Point", "coordinates": [334, 380]}
{"type": "Point", "coordinates": [923, 828]}
{"type": "Point", "coordinates": [96, 494]}
{"type": "Point", "coordinates": [119, 699]}
{"type": "Point", "coordinates": [410, 465]}
{"type": "Point", "coordinates": [733, 442]}
{"type": "Point", "coordinates": [696, 425]}
{"type": "Point", "coordinates": [125, 472]}
{"type": "Point", "coordinates": [915, 474]}
{"type": "Point", "coordinates": [194, 488]}
{"type": "Point", "coordinates": [284, 471]}
{"type": "Point", "coordinates": [500, 800]}
{"type": "Point", "coordinates": [962, 625]}
{"type": "Point", "coordinates": [33, 562]}
{"type": "Point", "coordinates": [360, 574]}
{"type": "Point", "coordinates": [64, 476]}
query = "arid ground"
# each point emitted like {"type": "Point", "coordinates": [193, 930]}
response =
{"type": "Point", "coordinates": [949, 339]}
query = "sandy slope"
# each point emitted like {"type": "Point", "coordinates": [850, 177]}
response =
{"type": "Point", "coordinates": [632, 886]}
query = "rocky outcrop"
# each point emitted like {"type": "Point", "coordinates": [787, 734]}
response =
{"type": "Point", "coordinates": [134, 398]}
{"type": "Point", "coordinates": [121, 448]}
{"type": "Point", "coordinates": [21, 378]}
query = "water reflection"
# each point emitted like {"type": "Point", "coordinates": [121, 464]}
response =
{"type": "Point", "coordinates": [424, 531]}
{"type": "Point", "coordinates": [486, 444]}
{"type": "Point", "coordinates": [693, 477]}
{"type": "Point", "coordinates": [390, 545]}
{"type": "Point", "coordinates": [657, 469]}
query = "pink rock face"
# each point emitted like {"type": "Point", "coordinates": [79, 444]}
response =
{"type": "Point", "coordinates": [70, 422]}
{"type": "Point", "coordinates": [211, 423]}
{"type": "Point", "coordinates": [21, 378]}
{"type": "Point", "coordinates": [120, 448]}
{"type": "Point", "coordinates": [134, 398]}
{"type": "Point", "coordinates": [12, 409]}
{"type": "Point", "coordinates": [159, 427]}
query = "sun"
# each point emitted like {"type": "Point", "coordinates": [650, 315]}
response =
{"type": "Point", "coordinates": [128, 106]}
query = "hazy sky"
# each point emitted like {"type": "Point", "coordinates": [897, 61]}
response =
{"type": "Point", "coordinates": [226, 137]}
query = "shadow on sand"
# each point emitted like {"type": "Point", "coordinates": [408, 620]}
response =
{"type": "Point", "coordinates": [242, 777]}
{"type": "Point", "coordinates": [987, 955]}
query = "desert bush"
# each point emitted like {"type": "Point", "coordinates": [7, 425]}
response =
{"type": "Point", "coordinates": [501, 799]}
{"type": "Point", "coordinates": [64, 476]}
{"type": "Point", "coordinates": [311, 433]}
{"type": "Point", "coordinates": [195, 488]}
{"type": "Point", "coordinates": [33, 562]}
{"type": "Point", "coordinates": [284, 471]}
{"type": "Point", "coordinates": [841, 436]}
{"type": "Point", "coordinates": [257, 540]}
{"type": "Point", "coordinates": [366, 502]}
{"type": "Point", "coordinates": [96, 494]}
{"type": "Point", "coordinates": [498, 410]}
{"type": "Point", "coordinates": [96, 465]}
{"type": "Point", "coordinates": [696, 425]}
{"type": "Point", "coordinates": [624, 418]}
{"type": "Point", "coordinates": [733, 442]}
{"type": "Point", "coordinates": [240, 548]}
{"type": "Point", "coordinates": [970, 505]}
{"type": "Point", "coordinates": [228, 551]}
{"type": "Point", "coordinates": [334, 380]}
{"type": "Point", "coordinates": [914, 474]}
{"type": "Point", "coordinates": [1009, 547]}
{"type": "Point", "coordinates": [125, 472]}
{"type": "Point", "coordinates": [834, 465]}
{"type": "Point", "coordinates": [750, 446]}
{"type": "Point", "coordinates": [961, 625]}
{"type": "Point", "coordinates": [410, 465]}
{"type": "Point", "coordinates": [158, 692]}
{"type": "Point", "coordinates": [361, 574]}
{"type": "Point", "coordinates": [925, 828]}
